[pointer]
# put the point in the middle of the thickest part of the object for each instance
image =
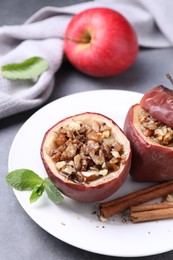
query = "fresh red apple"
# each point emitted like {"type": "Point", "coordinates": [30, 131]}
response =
{"type": "Point", "coordinates": [148, 127]}
{"type": "Point", "coordinates": [87, 156]}
{"type": "Point", "coordinates": [100, 42]}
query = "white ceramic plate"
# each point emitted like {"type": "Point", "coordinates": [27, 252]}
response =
{"type": "Point", "coordinates": [77, 223]}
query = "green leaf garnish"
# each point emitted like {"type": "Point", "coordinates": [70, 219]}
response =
{"type": "Point", "coordinates": [36, 192]}
{"type": "Point", "coordinates": [52, 192]}
{"type": "Point", "coordinates": [28, 69]}
{"type": "Point", "coordinates": [23, 179]}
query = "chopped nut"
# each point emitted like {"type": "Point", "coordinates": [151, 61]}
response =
{"type": "Point", "coordinates": [61, 139]}
{"type": "Point", "coordinates": [118, 147]}
{"type": "Point", "coordinates": [60, 165]}
{"type": "Point", "coordinates": [150, 125]}
{"type": "Point", "coordinates": [156, 130]}
{"type": "Point", "coordinates": [114, 160]}
{"type": "Point", "coordinates": [85, 152]}
{"type": "Point", "coordinates": [103, 172]}
{"type": "Point", "coordinates": [56, 157]}
{"type": "Point", "coordinates": [169, 198]}
{"type": "Point", "coordinates": [78, 162]}
{"type": "Point", "coordinates": [95, 136]}
{"type": "Point", "coordinates": [90, 175]}
{"type": "Point", "coordinates": [68, 170]}
{"type": "Point", "coordinates": [115, 154]}
{"type": "Point", "coordinates": [79, 177]}
{"type": "Point", "coordinates": [69, 152]}
{"type": "Point", "coordinates": [113, 166]}
{"type": "Point", "coordinates": [97, 159]}
{"type": "Point", "coordinates": [61, 148]}
{"type": "Point", "coordinates": [106, 134]}
{"type": "Point", "coordinates": [93, 144]}
{"type": "Point", "coordinates": [148, 132]}
{"type": "Point", "coordinates": [108, 142]}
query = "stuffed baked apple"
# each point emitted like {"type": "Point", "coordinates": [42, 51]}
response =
{"type": "Point", "coordinates": [87, 156]}
{"type": "Point", "coordinates": [149, 127]}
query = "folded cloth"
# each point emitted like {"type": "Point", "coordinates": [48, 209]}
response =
{"type": "Point", "coordinates": [42, 35]}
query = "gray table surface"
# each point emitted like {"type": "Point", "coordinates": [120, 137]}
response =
{"type": "Point", "coordinates": [20, 237]}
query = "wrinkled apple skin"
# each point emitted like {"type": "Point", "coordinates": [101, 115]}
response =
{"type": "Point", "coordinates": [112, 45]}
{"type": "Point", "coordinates": [159, 103]}
{"type": "Point", "coordinates": [150, 162]}
{"type": "Point", "coordinates": [84, 192]}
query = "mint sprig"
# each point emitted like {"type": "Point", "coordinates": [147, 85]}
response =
{"type": "Point", "coordinates": [27, 69]}
{"type": "Point", "coordinates": [52, 192]}
{"type": "Point", "coordinates": [25, 179]}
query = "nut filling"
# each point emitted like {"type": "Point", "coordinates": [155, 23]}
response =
{"type": "Point", "coordinates": [86, 151]}
{"type": "Point", "coordinates": [157, 131]}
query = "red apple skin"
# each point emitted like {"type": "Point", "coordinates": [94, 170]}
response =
{"type": "Point", "coordinates": [159, 103]}
{"type": "Point", "coordinates": [150, 162]}
{"type": "Point", "coordinates": [86, 193]}
{"type": "Point", "coordinates": [100, 42]}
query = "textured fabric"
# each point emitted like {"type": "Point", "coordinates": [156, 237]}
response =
{"type": "Point", "coordinates": [42, 35]}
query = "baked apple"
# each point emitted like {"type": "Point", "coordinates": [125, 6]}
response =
{"type": "Point", "coordinates": [148, 126]}
{"type": "Point", "coordinates": [159, 103]}
{"type": "Point", "coordinates": [87, 156]}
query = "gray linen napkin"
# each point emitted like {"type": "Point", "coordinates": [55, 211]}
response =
{"type": "Point", "coordinates": [42, 35]}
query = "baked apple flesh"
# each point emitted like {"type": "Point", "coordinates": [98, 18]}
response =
{"type": "Point", "coordinates": [87, 156]}
{"type": "Point", "coordinates": [152, 146]}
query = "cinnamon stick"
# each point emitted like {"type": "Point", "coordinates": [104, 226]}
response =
{"type": "Point", "coordinates": [151, 212]}
{"type": "Point", "coordinates": [110, 208]}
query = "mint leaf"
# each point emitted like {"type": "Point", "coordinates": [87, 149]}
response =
{"type": "Point", "coordinates": [37, 192]}
{"type": "Point", "coordinates": [52, 192]}
{"type": "Point", "coordinates": [28, 69]}
{"type": "Point", "coordinates": [23, 179]}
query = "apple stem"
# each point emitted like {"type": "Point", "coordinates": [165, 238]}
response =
{"type": "Point", "coordinates": [170, 79]}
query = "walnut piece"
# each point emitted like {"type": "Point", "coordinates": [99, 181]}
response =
{"type": "Point", "coordinates": [156, 130]}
